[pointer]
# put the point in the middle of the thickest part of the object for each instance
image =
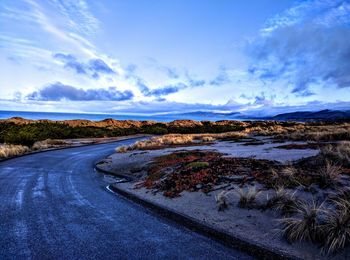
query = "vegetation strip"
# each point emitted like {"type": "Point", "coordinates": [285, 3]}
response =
{"type": "Point", "coordinates": [62, 148]}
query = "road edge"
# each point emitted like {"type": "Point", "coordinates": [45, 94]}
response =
{"type": "Point", "coordinates": [256, 250]}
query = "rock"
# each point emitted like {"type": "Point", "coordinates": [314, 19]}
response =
{"type": "Point", "coordinates": [199, 186]}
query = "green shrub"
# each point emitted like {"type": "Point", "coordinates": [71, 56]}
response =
{"type": "Point", "coordinates": [198, 165]}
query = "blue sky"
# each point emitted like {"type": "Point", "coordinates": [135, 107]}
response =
{"type": "Point", "coordinates": [158, 56]}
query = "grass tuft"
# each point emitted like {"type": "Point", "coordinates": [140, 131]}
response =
{"type": "Point", "coordinates": [247, 197]}
{"type": "Point", "coordinates": [305, 225]}
{"type": "Point", "coordinates": [222, 200]}
{"type": "Point", "coordinates": [329, 175]}
{"type": "Point", "coordinates": [282, 200]}
{"type": "Point", "coordinates": [337, 227]}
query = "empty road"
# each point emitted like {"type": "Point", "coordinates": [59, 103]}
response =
{"type": "Point", "coordinates": [53, 205]}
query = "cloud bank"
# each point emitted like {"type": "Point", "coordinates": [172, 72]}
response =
{"type": "Point", "coordinates": [58, 91]}
{"type": "Point", "coordinates": [306, 45]}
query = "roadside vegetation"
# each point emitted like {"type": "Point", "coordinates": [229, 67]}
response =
{"type": "Point", "coordinates": [10, 150]}
{"type": "Point", "coordinates": [26, 132]}
{"type": "Point", "coordinates": [171, 140]}
{"type": "Point", "coordinates": [310, 198]}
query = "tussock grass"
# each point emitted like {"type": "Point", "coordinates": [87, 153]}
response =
{"type": "Point", "coordinates": [339, 153]}
{"type": "Point", "coordinates": [9, 150]}
{"type": "Point", "coordinates": [328, 226]}
{"type": "Point", "coordinates": [329, 175]}
{"type": "Point", "coordinates": [287, 177]}
{"type": "Point", "coordinates": [283, 201]}
{"type": "Point", "coordinates": [247, 197]}
{"type": "Point", "coordinates": [337, 227]}
{"type": "Point", "coordinates": [305, 225]}
{"type": "Point", "coordinates": [222, 200]}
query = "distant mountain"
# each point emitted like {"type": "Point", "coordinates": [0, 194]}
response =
{"type": "Point", "coordinates": [211, 114]}
{"type": "Point", "coordinates": [323, 115]}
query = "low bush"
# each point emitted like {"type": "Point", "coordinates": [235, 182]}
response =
{"type": "Point", "coordinates": [197, 165]}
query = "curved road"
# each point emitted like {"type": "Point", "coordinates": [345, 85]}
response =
{"type": "Point", "coordinates": [53, 205]}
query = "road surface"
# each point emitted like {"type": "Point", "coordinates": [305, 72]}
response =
{"type": "Point", "coordinates": [53, 205]}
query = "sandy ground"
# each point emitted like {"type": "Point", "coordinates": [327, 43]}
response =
{"type": "Point", "coordinates": [260, 227]}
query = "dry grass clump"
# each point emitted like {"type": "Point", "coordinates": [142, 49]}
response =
{"type": "Point", "coordinates": [306, 224]}
{"type": "Point", "coordinates": [247, 197]}
{"type": "Point", "coordinates": [268, 130]}
{"type": "Point", "coordinates": [329, 227]}
{"type": "Point", "coordinates": [283, 201]}
{"type": "Point", "coordinates": [287, 177]}
{"type": "Point", "coordinates": [222, 200]}
{"type": "Point", "coordinates": [122, 149]}
{"type": "Point", "coordinates": [229, 135]}
{"type": "Point", "coordinates": [329, 175]}
{"type": "Point", "coordinates": [339, 153]}
{"type": "Point", "coordinates": [9, 150]}
{"type": "Point", "coordinates": [330, 132]}
{"type": "Point", "coordinates": [48, 143]}
{"type": "Point", "coordinates": [159, 142]}
{"type": "Point", "coordinates": [337, 227]}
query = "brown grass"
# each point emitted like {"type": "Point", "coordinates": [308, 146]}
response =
{"type": "Point", "coordinates": [330, 132]}
{"type": "Point", "coordinates": [305, 225]}
{"type": "Point", "coordinates": [296, 131]}
{"type": "Point", "coordinates": [329, 175]}
{"type": "Point", "coordinates": [9, 150]}
{"type": "Point", "coordinates": [159, 142]}
{"type": "Point", "coordinates": [338, 153]}
{"type": "Point", "coordinates": [49, 143]}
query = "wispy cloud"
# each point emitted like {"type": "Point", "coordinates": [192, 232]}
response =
{"type": "Point", "coordinates": [163, 91]}
{"type": "Point", "coordinates": [63, 34]}
{"type": "Point", "coordinates": [221, 79]}
{"type": "Point", "coordinates": [93, 67]}
{"type": "Point", "coordinates": [68, 22]}
{"type": "Point", "coordinates": [78, 14]}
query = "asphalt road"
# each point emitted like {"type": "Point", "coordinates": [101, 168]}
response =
{"type": "Point", "coordinates": [53, 205]}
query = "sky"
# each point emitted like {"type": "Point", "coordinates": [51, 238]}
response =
{"type": "Point", "coordinates": [257, 57]}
